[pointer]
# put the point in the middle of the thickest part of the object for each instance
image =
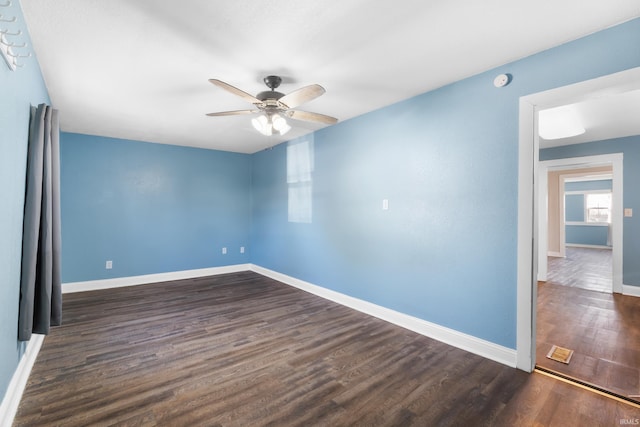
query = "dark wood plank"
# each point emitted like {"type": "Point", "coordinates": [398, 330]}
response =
{"type": "Point", "coordinates": [244, 350]}
{"type": "Point", "coordinates": [603, 330]}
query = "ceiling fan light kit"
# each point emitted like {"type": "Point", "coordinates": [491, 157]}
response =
{"type": "Point", "coordinates": [275, 106]}
{"type": "Point", "coordinates": [274, 124]}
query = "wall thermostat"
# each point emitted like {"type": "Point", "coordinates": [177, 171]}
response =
{"type": "Point", "coordinates": [501, 80]}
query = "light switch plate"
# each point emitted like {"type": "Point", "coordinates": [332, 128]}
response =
{"type": "Point", "coordinates": [628, 212]}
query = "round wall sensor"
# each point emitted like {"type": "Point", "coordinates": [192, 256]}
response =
{"type": "Point", "coordinates": [501, 80]}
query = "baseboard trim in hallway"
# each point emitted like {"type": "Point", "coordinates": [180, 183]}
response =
{"type": "Point", "coordinates": [587, 386]}
{"type": "Point", "coordinates": [632, 291]}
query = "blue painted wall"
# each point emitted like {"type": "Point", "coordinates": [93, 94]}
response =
{"type": "Point", "coordinates": [19, 90]}
{"type": "Point", "coordinates": [150, 208]}
{"type": "Point", "coordinates": [630, 147]}
{"type": "Point", "coordinates": [445, 251]}
{"type": "Point", "coordinates": [600, 184]}
{"type": "Point", "coordinates": [592, 235]}
{"type": "Point", "coordinates": [574, 207]}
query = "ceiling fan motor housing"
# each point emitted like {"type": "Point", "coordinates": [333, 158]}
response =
{"type": "Point", "coordinates": [272, 83]}
{"type": "Point", "coordinates": [269, 94]}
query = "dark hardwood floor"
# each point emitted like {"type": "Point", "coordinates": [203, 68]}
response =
{"type": "Point", "coordinates": [245, 350]}
{"type": "Point", "coordinates": [603, 329]}
{"type": "Point", "coordinates": [577, 310]}
{"type": "Point", "coordinates": [585, 268]}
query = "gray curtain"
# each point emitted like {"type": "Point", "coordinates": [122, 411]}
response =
{"type": "Point", "coordinates": [40, 290]}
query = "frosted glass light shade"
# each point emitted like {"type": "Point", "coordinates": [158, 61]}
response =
{"type": "Point", "coordinates": [269, 125]}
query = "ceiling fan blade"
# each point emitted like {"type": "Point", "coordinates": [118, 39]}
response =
{"type": "Point", "coordinates": [233, 113]}
{"type": "Point", "coordinates": [312, 117]}
{"type": "Point", "coordinates": [302, 95]}
{"type": "Point", "coordinates": [234, 90]}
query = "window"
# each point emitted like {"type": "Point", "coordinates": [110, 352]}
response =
{"type": "Point", "coordinates": [598, 207]}
{"type": "Point", "coordinates": [299, 180]}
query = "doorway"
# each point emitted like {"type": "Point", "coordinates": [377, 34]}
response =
{"type": "Point", "coordinates": [531, 243]}
{"type": "Point", "coordinates": [606, 165]}
{"type": "Point", "coordinates": [576, 309]}
{"type": "Point", "coordinates": [579, 217]}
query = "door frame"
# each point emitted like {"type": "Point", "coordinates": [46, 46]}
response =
{"type": "Point", "coordinates": [615, 160]}
{"type": "Point", "coordinates": [528, 188]}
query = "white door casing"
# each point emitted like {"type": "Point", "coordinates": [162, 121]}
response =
{"type": "Point", "coordinates": [528, 247]}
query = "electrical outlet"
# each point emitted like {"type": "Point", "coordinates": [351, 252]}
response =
{"type": "Point", "coordinates": [109, 265]}
{"type": "Point", "coordinates": [224, 251]}
{"type": "Point", "coordinates": [628, 212]}
{"type": "Point", "coordinates": [241, 249]}
{"type": "Point", "coordinates": [385, 204]}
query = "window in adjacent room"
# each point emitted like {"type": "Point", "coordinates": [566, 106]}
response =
{"type": "Point", "coordinates": [598, 207]}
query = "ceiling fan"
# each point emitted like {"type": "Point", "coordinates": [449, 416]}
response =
{"type": "Point", "coordinates": [276, 106]}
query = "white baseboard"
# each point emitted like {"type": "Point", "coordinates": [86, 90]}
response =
{"type": "Point", "coordinates": [120, 282]}
{"type": "Point", "coordinates": [463, 341]}
{"type": "Point", "coordinates": [19, 380]}
{"type": "Point", "coordinates": [633, 291]}
{"type": "Point", "coordinates": [452, 337]}
{"type": "Point", "coordinates": [555, 254]}
{"type": "Point", "coordinates": [577, 245]}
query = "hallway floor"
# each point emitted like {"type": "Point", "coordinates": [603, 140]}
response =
{"type": "Point", "coordinates": [585, 268]}
{"type": "Point", "coordinates": [577, 310]}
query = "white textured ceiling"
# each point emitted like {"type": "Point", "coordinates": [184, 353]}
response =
{"type": "Point", "coordinates": [139, 69]}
